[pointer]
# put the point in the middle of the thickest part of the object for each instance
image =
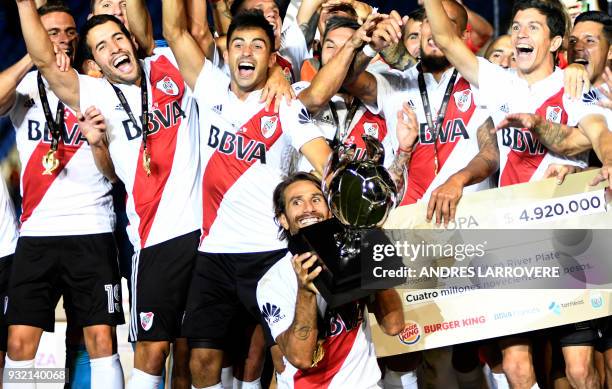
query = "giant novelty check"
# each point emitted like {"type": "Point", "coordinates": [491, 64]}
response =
{"type": "Point", "coordinates": [451, 315]}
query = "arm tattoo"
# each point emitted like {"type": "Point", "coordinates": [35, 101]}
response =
{"type": "Point", "coordinates": [397, 170]}
{"type": "Point", "coordinates": [487, 144]}
{"type": "Point", "coordinates": [552, 134]}
{"type": "Point", "coordinates": [302, 331]}
{"type": "Point", "coordinates": [397, 56]}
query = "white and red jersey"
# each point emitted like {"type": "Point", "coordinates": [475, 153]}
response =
{"type": "Point", "coordinates": [457, 141]}
{"type": "Point", "coordinates": [8, 223]}
{"type": "Point", "coordinates": [75, 199]}
{"type": "Point", "coordinates": [246, 151]}
{"type": "Point", "coordinates": [350, 358]}
{"type": "Point", "coordinates": [293, 50]}
{"type": "Point", "coordinates": [165, 204]}
{"type": "Point", "coordinates": [523, 158]}
{"type": "Point", "coordinates": [363, 122]}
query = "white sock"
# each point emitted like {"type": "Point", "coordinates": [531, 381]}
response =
{"type": "Point", "coordinates": [400, 380]}
{"type": "Point", "coordinates": [10, 364]}
{"type": "Point", "coordinates": [500, 381]}
{"type": "Point", "coordinates": [227, 377]}
{"type": "Point", "coordinates": [247, 385]}
{"type": "Point", "coordinates": [142, 380]}
{"type": "Point", "coordinates": [535, 386]}
{"type": "Point", "coordinates": [470, 380]}
{"type": "Point", "coordinates": [106, 373]}
{"type": "Point", "coordinates": [215, 386]}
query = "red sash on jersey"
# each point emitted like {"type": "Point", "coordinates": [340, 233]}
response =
{"type": "Point", "coordinates": [368, 124]}
{"type": "Point", "coordinates": [421, 169]}
{"type": "Point", "coordinates": [526, 150]}
{"type": "Point", "coordinates": [35, 185]}
{"type": "Point", "coordinates": [235, 154]}
{"type": "Point", "coordinates": [337, 349]}
{"type": "Point", "coordinates": [167, 90]}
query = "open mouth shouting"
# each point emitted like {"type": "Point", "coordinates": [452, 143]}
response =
{"type": "Point", "coordinates": [123, 63]}
{"type": "Point", "coordinates": [523, 51]}
{"type": "Point", "coordinates": [246, 69]}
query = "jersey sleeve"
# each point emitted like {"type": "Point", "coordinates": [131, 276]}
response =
{"type": "Point", "coordinates": [24, 92]}
{"type": "Point", "coordinates": [276, 298]}
{"type": "Point", "coordinates": [577, 110]}
{"type": "Point", "coordinates": [210, 81]}
{"type": "Point", "coordinates": [494, 82]}
{"type": "Point", "coordinates": [100, 99]}
{"type": "Point", "coordinates": [297, 124]}
{"type": "Point", "coordinates": [387, 83]}
{"type": "Point", "coordinates": [579, 161]}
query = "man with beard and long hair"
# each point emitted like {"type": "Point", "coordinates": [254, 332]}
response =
{"type": "Point", "coordinates": [448, 134]}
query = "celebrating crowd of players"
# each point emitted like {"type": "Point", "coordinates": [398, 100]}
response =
{"type": "Point", "coordinates": [212, 138]}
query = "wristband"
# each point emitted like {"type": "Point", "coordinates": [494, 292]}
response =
{"type": "Point", "coordinates": [368, 51]}
{"type": "Point", "coordinates": [404, 151]}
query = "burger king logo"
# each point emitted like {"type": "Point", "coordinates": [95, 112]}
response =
{"type": "Point", "coordinates": [411, 334]}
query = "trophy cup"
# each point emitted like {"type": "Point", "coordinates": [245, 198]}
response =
{"type": "Point", "coordinates": [360, 195]}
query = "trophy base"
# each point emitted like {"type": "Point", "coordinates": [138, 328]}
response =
{"type": "Point", "coordinates": [337, 249]}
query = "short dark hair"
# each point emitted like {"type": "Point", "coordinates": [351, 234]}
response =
{"type": "Point", "coordinates": [54, 6]}
{"type": "Point", "coordinates": [344, 7]}
{"type": "Point", "coordinates": [84, 50]}
{"type": "Point", "coordinates": [336, 22]}
{"type": "Point", "coordinates": [418, 14]}
{"type": "Point", "coordinates": [556, 17]}
{"type": "Point", "coordinates": [598, 17]}
{"type": "Point", "coordinates": [251, 19]}
{"type": "Point", "coordinates": [238, 5]}
{"type": "Point", "coordinates": [278, 198]}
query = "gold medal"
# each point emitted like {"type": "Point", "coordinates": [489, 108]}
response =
{"type": "Point", "coordinates": [50, 163]}
{"type": "Point", "coordinates": [146, 162]}
{"type": "Point", "coordinates": [318, 354]}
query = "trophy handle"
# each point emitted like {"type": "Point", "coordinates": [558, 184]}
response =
{"type": "Point", "coordinates": [374, 149]}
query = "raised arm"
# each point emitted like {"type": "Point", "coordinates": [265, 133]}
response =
{"type": "Point", "coordinates": [65, 85]}
{"type": "Point", "coordinates": [447, 39]}
{"type": "Point", "coordinates": [299, 341]}
{"type": "Point", "coordinates": [199, 28]}
{"type": "Point", "coordinates": [307, 18]}
{"type": "Point", "coordinates": [221, 15]}
{"type": "Point", "coordinates": [187, 52]}
{"type": "Point", "coordinates": [330, 77]}
{"type": "Point", "coordinates": [443, 201]}
{"type": "Point", "coordinates": [317, 152]}
{"type": "Point", "coordinates": [141, 25]}
{"type": "Point", "coordinates": [9, 79]}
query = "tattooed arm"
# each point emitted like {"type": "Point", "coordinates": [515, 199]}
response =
{"type": "Point", "coordinates": [299, 341]}
{"type": "Point", "coordinates": [559, 138]}
{"type": "Point", "coordinates": [444, 199]}
{"type": "Point", "coordinates": [407, 132]}
{"type": "Point", "coordinates": [397, 56]}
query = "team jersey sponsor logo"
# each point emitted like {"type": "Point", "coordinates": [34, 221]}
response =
{"type": "Point", "coordinates": [272, 313]}
{"type": "Point", "coordinates": [371, 129]}
{"type": "Point", "coordinates": [146, 320]}
{"type": "Point", "coordinates": [29, 103]}
{"type": "Point", "coordinates": [304, 116]}
{"type": "Point", "coordinates": [168, 86]}
{"type": "Point", "coordinates": [450, 133]}
{"type": "Point", "coordinates": [504, 108]}
{"type": "Point", "coordinates": [522, 141]}
{"type": "Point", "coordinates": [38, 131]}
{"type": "Point", "coordinates": [158, 120]}
{"type": "Point", "coordinates": [553, 114]}
{"type": "Point", "coordinates": [590, 97]}
{"type": "Point", "coordinates": [463, 100]}
{"type": "Point", "coordinates": [411, 104]}
{"type": "Point", "coordinates": [411, 334]}
{"type": "Point", "coordinates": [218, 108]}
{"type": "Point", "coordinates": [237, 145]}
{"type": "Point", "coordinates": [268, 125]}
